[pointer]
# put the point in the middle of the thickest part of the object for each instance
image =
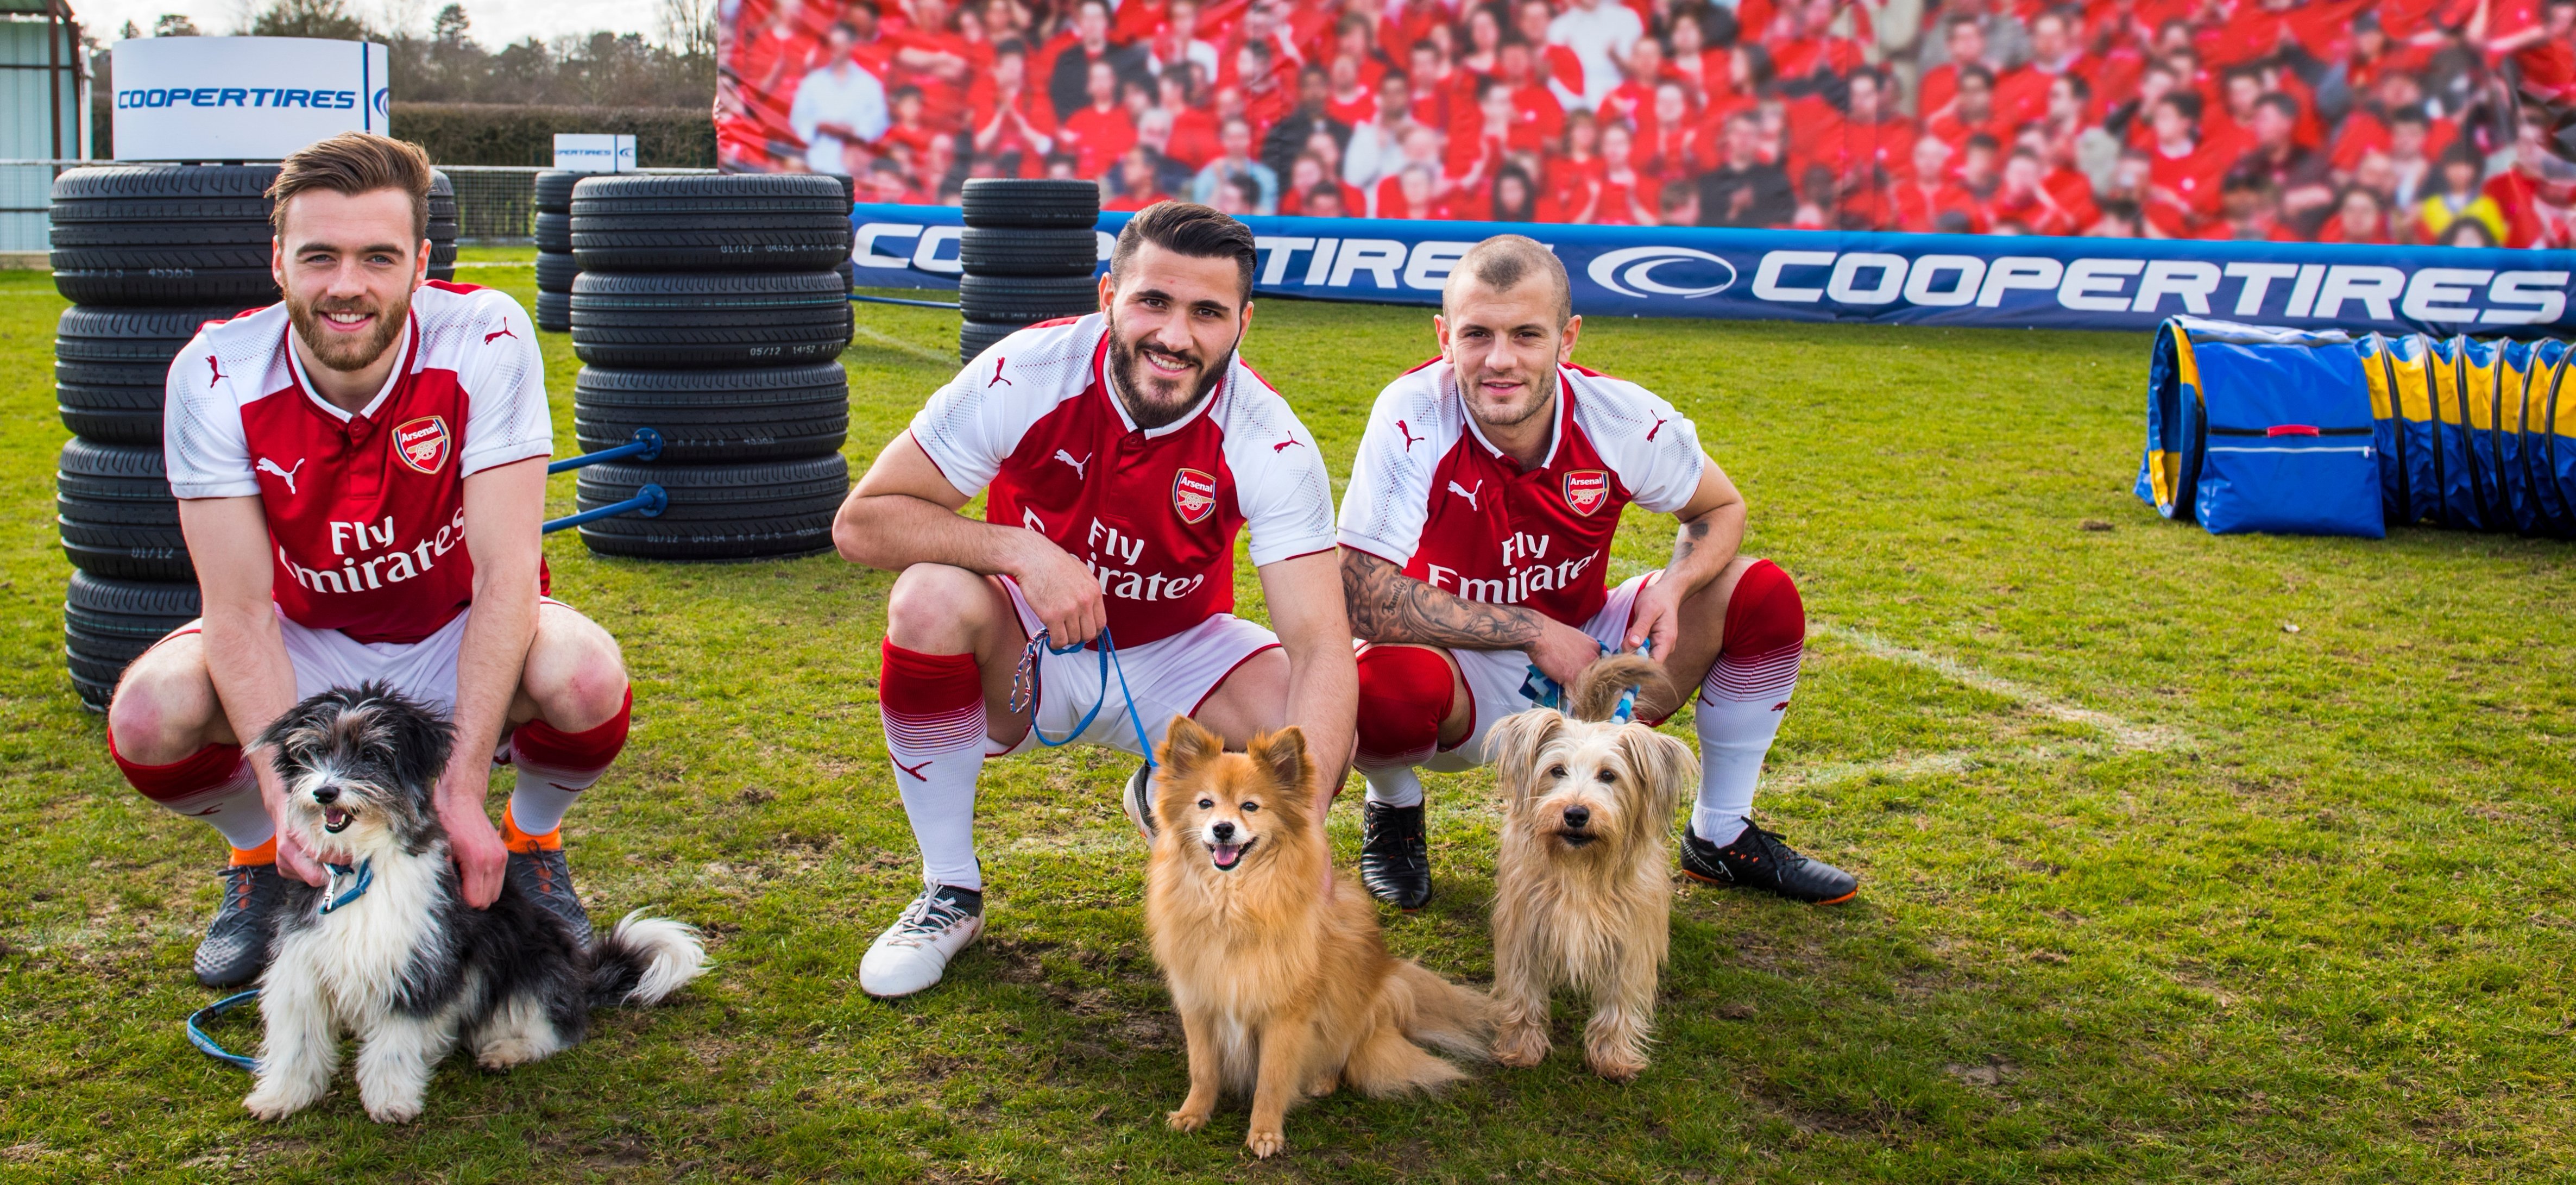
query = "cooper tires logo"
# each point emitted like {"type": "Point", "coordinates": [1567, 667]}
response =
{"type": "Point", "coordinates": [1632, 271]}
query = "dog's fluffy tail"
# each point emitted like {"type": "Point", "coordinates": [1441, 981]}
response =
{"type": "Point", "coordinates": [1597, 689]}
{"type": "Point", "coordinates": [644, 960]}
{"type": "Point", "coordinates": [1418, 1006]}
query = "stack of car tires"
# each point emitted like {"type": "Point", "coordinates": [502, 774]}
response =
{"type": "Point", "coordinates": [148, 254]}
{"type": "Point", "coordinates": [1027, 256]}
{"type": "Point", "coordinates": [555, 266]}
{"type": "Point", "coordinates": [713, 310]}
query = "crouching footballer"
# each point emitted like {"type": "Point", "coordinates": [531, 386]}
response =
{"type": "Point", "coordinates": [361, 480]}
{"type": "Point", "coordinates": [1475, 539]}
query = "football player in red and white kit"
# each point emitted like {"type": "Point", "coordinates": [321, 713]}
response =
{"type": "Point", "coordinates": [361, 474]}
{"type": "Point", "coordinates": [1475, 538]}
{"type": "Point", "coordinates": [1120, 454]}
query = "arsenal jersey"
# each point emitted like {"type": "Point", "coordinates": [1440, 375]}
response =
{"type": "Point", "coordinates": [1152, 512]}
{"type": "Point", "coordinates": [1429, 493]}
{"type": "Point", "coordinates": [366, 511]}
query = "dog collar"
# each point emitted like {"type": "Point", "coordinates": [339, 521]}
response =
{"type": "Point", "coordinates": [361, 877]}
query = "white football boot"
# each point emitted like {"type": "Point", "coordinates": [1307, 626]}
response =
{"type": "Point", "coordinates": [913, 953]}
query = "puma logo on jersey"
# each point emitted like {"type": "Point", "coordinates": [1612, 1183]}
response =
{"type": "Point", "coordinates": [503, 331]}
{"type": "Point", "coordinates": [1468, 494]}
{"type": "Point", "coordinates": [1409, 438]}
{"type": "Point", "coordinates": [1067, 458]}
{"type": "Point", "coordinates": [1659, 426]}
{"type": "Point", "coordinates": [997, 376]}
{"type": "Point", "coordinates": [215, 366]}
{"type": "Point", "coordinates": [1282, 446]}
{"type": "Point", "coordinates": [285, 475]}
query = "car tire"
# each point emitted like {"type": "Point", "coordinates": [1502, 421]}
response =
{"type": "Point", "coordinates": [111, 366]}
{"type": "Point", "coordinates": [1026, 300]}
{"type": "Point", "coordinates": [696, 321]}
{"type": "Point", "coordinates": [708, 417]}
{"type": "Point", "coordinates": [988, 251]}
{"type": "Point", "coordinates": [108, 623]}
{"type": "Point", "coordinates": [116, 514]}
{"type": "Point", "coordinates": [1036, 203]}
{"type": "Point", "coordinates": [163, 235]}
{"type": "Point", "coordinates": [717, 512]}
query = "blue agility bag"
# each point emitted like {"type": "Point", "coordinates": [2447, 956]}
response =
{"type": "Point", "coordinates": [2553, 442]}
{"type": "Point", "coordinates": [2258, 429]}
{"type": "Point", "coordinates": [2463, 502]}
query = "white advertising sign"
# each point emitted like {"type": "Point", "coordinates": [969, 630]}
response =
{"type": "Point", "coordinates": [244, 98]}
{"type": "Point", "coordinates": [594, 152]}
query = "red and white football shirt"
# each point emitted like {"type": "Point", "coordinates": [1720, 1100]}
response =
{"type": "Point", "coordinates": [1153, 513]}
{"type": "Point", "coordinates": [1427, 492]}
{"type": "Point", "coordinates": [366, 512]}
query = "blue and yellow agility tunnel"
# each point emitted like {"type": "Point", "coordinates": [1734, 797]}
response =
{"type": "Point", "coordinates": [2258, 429]}
{"type": "Point", "coordinates": [2251, 428]}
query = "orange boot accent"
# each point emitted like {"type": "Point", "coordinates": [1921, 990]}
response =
{"type": "Point", "coordinates": [520, 841]}
{"type": "Point", "coordinates": [263, 854]}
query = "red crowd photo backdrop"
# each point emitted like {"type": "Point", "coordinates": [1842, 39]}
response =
{"type": "Point", "coordinates": [2347, 121]}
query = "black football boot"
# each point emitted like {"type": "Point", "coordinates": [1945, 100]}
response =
{"type": "Point", "coordinates": [235, 949]}
{"type": "Point", "coordinates": [1395, 858]}
{"type": "Point", "coordinates": [1759, 860]}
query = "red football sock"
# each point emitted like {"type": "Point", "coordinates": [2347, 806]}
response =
{"type": "Point", "coordinates": [932, 706]}
{"type": "Point", "coordinates": [556, 766]}
{"type": "Point", "coordinates": [214, 784]}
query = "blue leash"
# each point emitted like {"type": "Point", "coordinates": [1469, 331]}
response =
{"type": "Point", "coordinates": [1024, 689]}
{"type": "Point", "coordinates": [363, 877]}
{"type": "Point", "coordinates": [205, 1044]}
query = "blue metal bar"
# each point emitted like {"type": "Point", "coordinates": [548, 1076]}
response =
{"type": "Point", "coordinates": [918, 304]}
{"type": "Point", "coordinates": [649, 502]}
{"type": "Point", "coordinates": [646, 445]}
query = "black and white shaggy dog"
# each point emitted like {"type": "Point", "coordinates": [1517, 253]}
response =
{"type": "Point", "coordinates": [403, 962]}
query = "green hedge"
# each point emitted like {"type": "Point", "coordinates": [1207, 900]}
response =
{"type": "Point", "coordinates": [500, 134]}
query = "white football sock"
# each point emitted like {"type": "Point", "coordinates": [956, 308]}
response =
{"type": "Point", "coordinates": [1394, 785]}
{"type": "Point", "coordinates": [1740, 707]}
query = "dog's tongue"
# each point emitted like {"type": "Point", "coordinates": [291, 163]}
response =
{"type": "Point", "coordinates": [334, 817]}
{"type": "Point", "coordinates": [1226, 854]}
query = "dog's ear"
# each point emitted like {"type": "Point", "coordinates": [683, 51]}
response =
{"type": "Point", "coordinates": [1187, 748]}
{"type": "Point", "coordinates": [422, 739]}
{"type": "Point", "coordinates": [1283, 756]}
{"type": "Point", "coordinates": [1665, 768]}
{"type": "Point", "coordinates": [1513, 744]}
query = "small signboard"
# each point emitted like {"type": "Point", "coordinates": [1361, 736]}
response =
{"type": "Point", "coordinates": [592, 152]}
{"type": "Point", "coordinates": [244, 98]}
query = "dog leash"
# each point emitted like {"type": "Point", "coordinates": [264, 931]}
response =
{"type": "Point", "coordinates": [1024, 690]}
{"type": "Point", "coordinates": [362, 878]}
{"type": "Point", "coordinates": [207, 1045]}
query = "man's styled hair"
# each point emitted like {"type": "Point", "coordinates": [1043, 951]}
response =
{"type": "Point", "coordinates": [1187, 228]}
{"type": "Point", "coordinates": [1505, 262]}
{"type": "Point", "coordinates": [353, 163]}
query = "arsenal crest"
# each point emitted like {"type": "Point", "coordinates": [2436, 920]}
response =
{"type": "Point", "coordinates": [1193, 495]}
{"type": "Point", "coordinates": [423, 444]}
{"type": "Point", "coordinates": [1587, 490]}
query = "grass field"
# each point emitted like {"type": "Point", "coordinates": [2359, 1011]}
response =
{"type": "Point", "coordinates": [2184, 858]}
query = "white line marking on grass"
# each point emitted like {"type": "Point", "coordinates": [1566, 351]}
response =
{"type": "Point", "coordinates": [2123, 734]}
{"type": "Point", "coordinates": [902, 345]}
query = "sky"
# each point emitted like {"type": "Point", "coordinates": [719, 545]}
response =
{"type": "Point", "coordinates": [494, 22]}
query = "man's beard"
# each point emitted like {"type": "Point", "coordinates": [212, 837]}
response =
{"type": "Point", "coordinates": [338, 351]}
{"type": "Point", "coordinates": [1540, 400]}
{"type": "Point", "coordinates": [1151, 400]}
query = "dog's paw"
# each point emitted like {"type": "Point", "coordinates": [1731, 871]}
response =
{"type": "Point", "coordinates": [272, 1104]}
{"type": "Point", "coordinates": [1617, 1065]}
{"type": "Point", "coordinates": [1521, 1045]}
{"type": "Point", "coordinates": [394, 1110]}
{"type": "Point", "coordinates": [1266, 1143]}
{"type": "Point", "coordinates": [1187, 1119]}
{"type": "Point", "coordinates": [501, 1055]}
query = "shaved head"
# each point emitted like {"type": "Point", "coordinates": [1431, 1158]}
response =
{"type": "Point", "coordinates": [1505, 262]}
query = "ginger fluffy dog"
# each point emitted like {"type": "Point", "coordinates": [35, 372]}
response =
{"type": "Point", "coordinates": [1582, 886]}
{"type": "Point", "coordinates": [1285, 990]}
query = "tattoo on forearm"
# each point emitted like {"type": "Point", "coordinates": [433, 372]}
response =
{"type": "Point", "coordinates": [1688, 538]}
{"type": "Point", "coordinates": [1388, 606]}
